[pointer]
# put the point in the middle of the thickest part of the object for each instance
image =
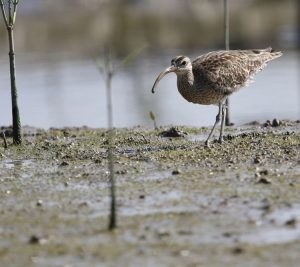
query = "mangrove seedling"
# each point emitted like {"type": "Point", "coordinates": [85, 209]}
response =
{"type": "Point", "coordinates": [109, 70]}
{"type": "Point", "coordinates": [9, 12]}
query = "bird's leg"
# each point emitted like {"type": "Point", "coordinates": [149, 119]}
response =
{"type": "Point", "coordinates": [224, 108]}
{"type": "Point", "coordinates": [216, 122]}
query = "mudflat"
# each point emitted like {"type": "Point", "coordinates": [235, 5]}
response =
{"type": "Point", "coordinates": [178, 203]}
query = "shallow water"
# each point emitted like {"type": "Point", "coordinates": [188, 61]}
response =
{"type": "Point", "coordinates": [55, 90]}
{"type": "Point", "coordinates": [278, 233]}
{"type": "Point", "coordinates": [10, 164]}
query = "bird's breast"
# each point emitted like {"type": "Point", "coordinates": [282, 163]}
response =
{"type": "Point", "coordinates": [202, 96]}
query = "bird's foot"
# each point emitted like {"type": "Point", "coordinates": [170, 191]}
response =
{"type": "Point", "coordinates": [221, 140]}
{"type": "Point", "coordinates": [207, 144]}
{"type": "Point", "coordinates": [229, 123]}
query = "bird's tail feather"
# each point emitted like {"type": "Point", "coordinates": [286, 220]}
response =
{"type": "Point", "coordinates": [273, 54]}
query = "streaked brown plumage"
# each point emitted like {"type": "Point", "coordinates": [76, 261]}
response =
{"type": "Point", "coordinates": [212, 77]}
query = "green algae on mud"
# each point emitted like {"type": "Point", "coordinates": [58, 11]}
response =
{"type": "Point", "coordinates": [179, 203]}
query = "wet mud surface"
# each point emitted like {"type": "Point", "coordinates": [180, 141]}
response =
{"type": "Point", "coordinates": [179, 203]}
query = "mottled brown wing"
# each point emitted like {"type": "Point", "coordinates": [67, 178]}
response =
{"type": "Point", "coordinates": [226, 70]}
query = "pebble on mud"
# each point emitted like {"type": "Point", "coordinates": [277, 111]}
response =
{"type": "Point", "coordinates": [291, 222]}
{"type": "Point", "coordinates": [264, 180]}
{"type": "Point", "coordinates": [264, 172]}
{"type": "Point", "coordinates": [237, 250]}
{"type": "Point", "coordinates": [34, 240]}
{"type": "Point", "coordinates": [257, 160]}
{"type": "Point", "coordinates": [276, 123]}
{"type": "Point", "coordinates": [163, 232]}
{"type": "Point", "coordinates": [39, 203]}
{"type": "Point", "coordinates": [64, 163]}
{"type": "Point", "coordinates": [267, 123]}
{"type": "Point", "coordinates": [176, 172]}
{"type": "Point", "coordinates": [229, 137]}
{"type": "Point", "coordinates": [173, 132]}
{"type": "Point", "coordinates": [227, 234]}
{"type": "Point", "coordinates": [122, 172]}
{"type": "Point", "coordinates": [259, 173]}
{"type": "Point", "coordinates": [83, 204]}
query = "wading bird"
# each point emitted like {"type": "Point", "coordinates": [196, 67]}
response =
{"type": "Point", "coordinates": [212, 77]}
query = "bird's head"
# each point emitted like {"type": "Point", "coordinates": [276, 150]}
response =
{"type": "Point", "coordinates": [179, 65]}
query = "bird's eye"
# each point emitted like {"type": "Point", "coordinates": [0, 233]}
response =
{"type": "Point", "coordinates": [183, 63]}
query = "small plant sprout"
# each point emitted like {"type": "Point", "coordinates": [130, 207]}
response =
{"type": "Point", "coordinates": [153, 118]}
{"type": "Point", "coordinates": [107, 68]}
{"type": "Point", "coordinates": [4, 140]}
{"type": "Point", "coordinates": [9, 12]}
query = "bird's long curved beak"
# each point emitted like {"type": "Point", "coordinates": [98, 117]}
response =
{"type": "Point", "coordinates": [161, 75]}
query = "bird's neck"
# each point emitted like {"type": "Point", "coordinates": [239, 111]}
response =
{"type": "Point", "coordinates": [186, 87]}
{"type": "Point", "coordinates": [185, 80]}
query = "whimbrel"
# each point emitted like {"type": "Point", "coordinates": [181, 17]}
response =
{"type": "Point", "coordinates": [212, 77]}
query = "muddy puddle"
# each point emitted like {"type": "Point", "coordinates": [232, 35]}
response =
{"type": "Point", "coordinates": [179, 203]}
